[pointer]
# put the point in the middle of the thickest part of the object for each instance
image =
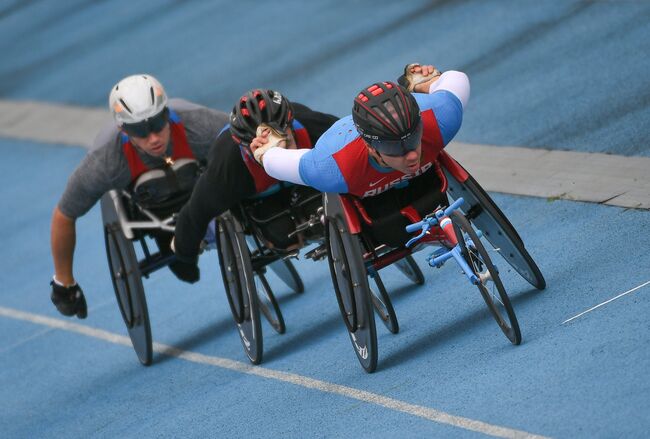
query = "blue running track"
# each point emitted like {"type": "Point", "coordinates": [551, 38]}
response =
{"type": "Point", "coordinates": [554, 74]}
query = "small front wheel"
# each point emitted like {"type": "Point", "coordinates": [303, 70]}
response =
{"type": "Point", "coordinates": [383, 305]}
{"type": "Point", "coordinates": [268, 303]}
{"type": "Point", "coordinates": [285, 270]}
{"type": "Point", "coordinates": [410, 269]}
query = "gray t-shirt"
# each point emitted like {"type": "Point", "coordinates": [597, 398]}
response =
{"type": "Point", "coordinates": [105, 167]}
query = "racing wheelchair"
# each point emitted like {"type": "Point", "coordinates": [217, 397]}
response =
{"type": "Point", "coordinates": [264, 232]}
{"type": "Point", "coordinates": [146, 209]}
{"type": "Point", "coordinates": [267, 231]}
{"type": "Point", "coordinates": [355, 252]}
{"type": "Point", "coordinates": [127, 225]}
{"type": "Point", "coordinates": [258, 233]}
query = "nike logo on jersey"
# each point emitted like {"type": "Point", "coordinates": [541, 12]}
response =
{"type": "Point", "coordinates": [375, 183]}
{"type": "Point", "coordinates": [384, 188]}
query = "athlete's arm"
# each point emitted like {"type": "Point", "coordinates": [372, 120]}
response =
{"type": "Point", "coordinates": [284, 164]}
{"type": "Point", "coordinates": [454, 82]}
{"type": "Point", "coordinates": [96, 174]}
{"type": "Point", "coordinates": [447, 98]}
{"type": "Point", "coordinates": [314, 167]}
{"type": "Point", "coordinates": [63, 239]}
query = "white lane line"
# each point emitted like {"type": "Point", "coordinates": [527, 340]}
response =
{"type": "Point", "coordinates": [298, 380]}
{"type": "Point", "coordinates": [606, 302]}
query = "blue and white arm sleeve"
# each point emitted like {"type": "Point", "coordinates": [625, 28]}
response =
{"type": "Point", "coordinates": [284, 164]}
{"type": "Point", "coordinates": [454, 82]}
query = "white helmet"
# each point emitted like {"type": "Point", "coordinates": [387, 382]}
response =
{"type": "Point", "coordinates": [136, 98]}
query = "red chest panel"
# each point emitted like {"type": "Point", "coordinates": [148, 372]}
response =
{"type": "Point", "coordinates": [364, 180]}
{"type": "Point", "coordinates": [180, 149]}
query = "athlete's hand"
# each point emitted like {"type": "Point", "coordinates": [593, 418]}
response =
{"type": "Point", "coordinates": [418, 78]}
{"type": "Point", "coordinates": [267, 138]}
{"type": "Point", "coordinates": [69, 300]}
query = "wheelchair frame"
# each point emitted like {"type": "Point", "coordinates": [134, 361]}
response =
{"type": "Point", "coordinates": [243, 258]}
{"type": "Point", "coordinates": [352, 256]}
{"type": "Point", "coordinates": [244, 310]}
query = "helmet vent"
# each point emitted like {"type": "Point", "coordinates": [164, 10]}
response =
{"type": "Point", "coordinates": [385, 111]}
{"type": "Point", "coordinates": [153, 99]}
{"type": "Point", "coordinates": [125, 106]}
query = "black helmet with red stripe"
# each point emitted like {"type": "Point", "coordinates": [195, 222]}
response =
{"type": "Point", "coordinates": [255, 108]}
{"type": "Point", "coordinates": [388, 118]}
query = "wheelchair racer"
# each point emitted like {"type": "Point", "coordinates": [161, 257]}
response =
{"type": "Point", "coordinates": [149, 132]}
{"type": "Point", "coordinates": [233, 176]}
{"type": "Point", "coordinates": [385, 152]}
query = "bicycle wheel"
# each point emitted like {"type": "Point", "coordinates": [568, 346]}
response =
{"type": "Point", "coordinates": [350, 283]}
{"type": "Point", "coordinates": [483, 212]}
{"type": "Point", "coordinates": [268, 304]}
{"type": "Point", "coordinates": [239, 283]}
{"type": "Point", "coordinates": [489, 285]}
{"type": "Point", "coordinates": [383, 305]}
{"type": "Point", "coordinates": [285, 270]}
{"type": "Point", "coordinates": [410, 269]}
{"type": "Point", "coordinates": [127, 283]}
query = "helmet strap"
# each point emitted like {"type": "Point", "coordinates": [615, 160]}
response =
{"type": "Point", "coordinates": [293, 135]}
{"type": "Point", "coordinates": [376, 156]}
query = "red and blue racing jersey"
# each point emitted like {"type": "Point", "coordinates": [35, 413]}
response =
{"type": "Point", "coordinates": [340, 161]}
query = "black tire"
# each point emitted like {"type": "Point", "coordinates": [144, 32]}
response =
{"type": "Point", "coordinates": [268, 304]}
{"type": "Point", "coordinates": [383, 305]}
{"type": "Point", "coordinates": [410, 269]}
{"type": "Point", "coordinates": [478, 259]}
{"type": "Point", "coordinates": [285, 270]}
{"type": "Point", "coordinates": [239, 283]}
{"type": "Point", "coordinates": [350, 282]}
{"type": "Point", "coordinates": [486, 216]}
{"type": "Point", "coordinates": [127, 283]}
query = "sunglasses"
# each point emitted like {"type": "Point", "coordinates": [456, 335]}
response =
{"type": "Point", "coordinates": [399, 148]}
{"type": "Point", "coordinates": [154, 124]}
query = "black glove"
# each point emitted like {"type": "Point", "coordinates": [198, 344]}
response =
{"type": "Point", "coordinates": [69, 300]}
{"type": "Point", "coordinates": [185, 271]}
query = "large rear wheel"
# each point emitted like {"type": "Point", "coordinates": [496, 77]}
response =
{"type": "Point", "coordinates": [350, 283]}
{"type": "Point", "coordinates": [483, 212]}
{"type": "Point", "coordinates": [127, 282]}
{"type": "Point", "coordinates": [239, 282]}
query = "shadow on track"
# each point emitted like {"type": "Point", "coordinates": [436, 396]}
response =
{"type": "Point", "coordinates": [198, 338]}
{"type": "Point", "coordinates": [459, 327]}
